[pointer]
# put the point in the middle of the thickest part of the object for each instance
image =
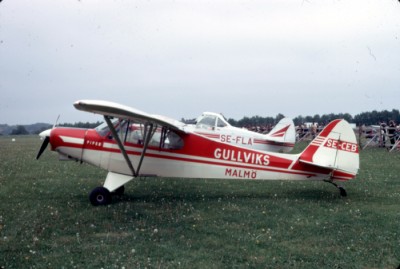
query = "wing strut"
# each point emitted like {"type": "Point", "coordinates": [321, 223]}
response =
{"type": "Point", "coordinates": [149, 130]}
{"type": "Point", "coordinates": [120, 145]}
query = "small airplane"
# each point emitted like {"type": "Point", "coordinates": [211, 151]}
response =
{"type": "Point", "coordinates": [132, 144]}
{"type": "Point", "coordinates": [213, 125]}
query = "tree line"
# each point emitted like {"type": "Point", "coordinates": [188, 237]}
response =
{"type": "Point", "coordinates": [364, 118]}
{"type": "Point", "coordinates": [38, 128]}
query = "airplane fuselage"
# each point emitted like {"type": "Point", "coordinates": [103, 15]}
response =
{"type": "Point", "coordinates": [199, 157]}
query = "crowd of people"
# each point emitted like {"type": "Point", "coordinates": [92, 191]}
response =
{"type": "Point", "coordinates": [308, 130]}
{"type": "Point", "coordinates": [262, 129]}
{"type": "Point", "coordinates": [301, 130]}
{"type": "Point", "coordinates": [385, 135]}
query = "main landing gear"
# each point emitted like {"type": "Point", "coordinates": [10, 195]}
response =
{"type": "Point", "coordinates": [115, 181]}
{"type": "Point", "coordinates": [102, 196]}
{"type": "Point", "coordinates": [342, 191]}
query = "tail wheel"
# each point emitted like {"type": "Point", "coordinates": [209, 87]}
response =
{"type": "Point", "coordinates": [100, 196]}
{"type": "Point", "coordinates": [342, 191]}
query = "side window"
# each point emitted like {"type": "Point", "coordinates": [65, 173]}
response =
{"type": "Point", "coordinates": [221, 123]}
{"type": "Point", "coordinates": [173, 140]}
{"type": "Point", "coordinates": [122, 130]}
{"type": "Point", "coordinates": [134, 133]}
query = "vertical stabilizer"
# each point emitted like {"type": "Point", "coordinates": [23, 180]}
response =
{"type": "Point", "coordinates": [283, 135]}
{"type": "Point", "coordinates": [335, 148]}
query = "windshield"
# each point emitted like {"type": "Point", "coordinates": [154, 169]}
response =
{"type": "Point", "coordinates": [209, 120]}
{"type": "Point", "coordinates": [103, 129]}
{"type": "Point", "coordinates": [206, 121]}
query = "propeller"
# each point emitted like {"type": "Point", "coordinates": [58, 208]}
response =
{"type": "Point", "coordinates": [45, 135]}
{"type": "Point", "coordinates": [43, 147]}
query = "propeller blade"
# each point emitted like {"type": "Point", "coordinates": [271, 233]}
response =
{"type": "Point", "coordinates": [43, 147]}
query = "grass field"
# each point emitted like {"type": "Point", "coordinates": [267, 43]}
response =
{"type": "Point", "coordinates": [47, 221]}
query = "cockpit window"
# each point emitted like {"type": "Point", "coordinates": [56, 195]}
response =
{"type": "Point", "coordinates": [207, 121]}
{"type": "Point", "coordinates": [173, 141]}
{"type": "Point", "coordinates": [133, 133]}
{"type": "Point", "coordinates": [221, 123]}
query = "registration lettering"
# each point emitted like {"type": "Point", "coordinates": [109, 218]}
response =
{"type": "Point", "coordinates": [236, 140]}
{"type": "Point", "coordinates": [341, 145]}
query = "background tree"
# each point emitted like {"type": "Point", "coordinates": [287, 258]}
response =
{"type": "Point", "coordinates": [19, 130]}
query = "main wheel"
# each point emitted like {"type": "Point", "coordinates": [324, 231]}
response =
{"type": "Point", "coordinates": [100, 196]}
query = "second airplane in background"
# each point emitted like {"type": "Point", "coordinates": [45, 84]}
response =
{"type": "Point", "coordinates": [280, 139]}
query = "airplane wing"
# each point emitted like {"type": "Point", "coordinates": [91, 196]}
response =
{"type": "Point", "coordinates": [111, 109]}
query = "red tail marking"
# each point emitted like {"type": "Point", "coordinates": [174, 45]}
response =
{"type": "Point", "coordinates": [309, 152]}
{"type": "Point", "coordinates": [281, 132]}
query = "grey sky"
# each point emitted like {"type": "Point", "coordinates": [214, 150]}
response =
{"type": "Point", "coordinates": [180, 58]}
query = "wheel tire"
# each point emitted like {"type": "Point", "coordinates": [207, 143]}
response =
{"type": "Point", "coordinates": [342, 191]}
{"type": "Point", "coordinates": [120, 191]}
{"type": "Point", "coordinates": [100, 196]}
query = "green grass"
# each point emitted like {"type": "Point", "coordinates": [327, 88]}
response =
{"type": "Point", "coordinates": [47, 221]}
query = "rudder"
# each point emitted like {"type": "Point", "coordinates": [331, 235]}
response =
{"type": "Point", "coordinates": [284, 133]}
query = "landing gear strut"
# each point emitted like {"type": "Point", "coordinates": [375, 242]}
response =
{"type": "Point", "coordinates": [120, 191]}
{"type": "Point", "coordinates": [342, 191]}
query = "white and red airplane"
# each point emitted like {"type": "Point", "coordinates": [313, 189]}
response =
{"type": "Point", "coordinates": [213, 125]}
{"type": "Point", "coordinates": [132, 144]}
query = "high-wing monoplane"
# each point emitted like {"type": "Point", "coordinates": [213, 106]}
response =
{"type": "Point", "coordinates": [213, 125]}
{"type": "Point", "coordinates": [132, 144]}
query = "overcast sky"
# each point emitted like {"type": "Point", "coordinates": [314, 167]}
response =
{"type": "Point", "coordinates": [180, 58]}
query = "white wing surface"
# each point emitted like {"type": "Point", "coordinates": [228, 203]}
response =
{"type": "Point", "coordinates": [111, 109]}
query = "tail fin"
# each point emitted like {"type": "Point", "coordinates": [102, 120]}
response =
{"type": "Point", "coordinates": [283, 134]}
{"type": "Point", "coordinates": [335, 148]}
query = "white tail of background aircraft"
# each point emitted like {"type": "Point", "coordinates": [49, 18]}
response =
{"type": "Point", "coordinates": [283, 134]}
